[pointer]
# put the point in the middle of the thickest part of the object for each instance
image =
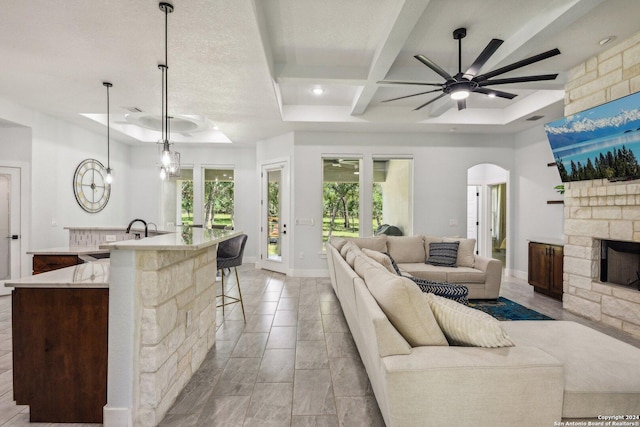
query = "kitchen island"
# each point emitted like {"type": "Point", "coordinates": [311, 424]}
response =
{"type": "Point", "coordinates": [161, 317]}
{"type": "Point", "coordinates": [59, 323]}
{"type": "Point", "coordinates": [162, 320]}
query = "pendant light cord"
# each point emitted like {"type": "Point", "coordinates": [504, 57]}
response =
{"type": "Point", "coordinates": [108, 133]}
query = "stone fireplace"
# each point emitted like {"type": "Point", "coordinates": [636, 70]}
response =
{"type": "Point", "coordinates": [602, 215]}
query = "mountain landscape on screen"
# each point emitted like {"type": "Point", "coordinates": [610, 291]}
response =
{"type": "Point", "coordinates": [600, 143]}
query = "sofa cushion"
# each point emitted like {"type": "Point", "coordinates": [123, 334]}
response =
{"type": "Point", "coordinates": [345, 248]}
{"type": "Point", "coordinates": [363, 262]}
{"type": "Point", "coordinates": [457, 293]}
{"type": "Point", "coordinates": [425, 271]}
{"type": "Point", "coordinates": [377, 243]}
{"type": "Point", "coordinates": [466, 258]}
{"type": "Point", "coordinates": [337, 242]}
{"type": "Point", "coordinates": [443, 254]}
{"type": "Point", "coordinates": [381, 258]}
{"type": "Point", "coordinates": [352, 253]}
{"type": "Point", "coordinates": [402, 302]}
{"type": "Point", "coordinates": [466, 326]}
{"type": "Point", "coordinates": [406, 248]}
{"type": "Point", "coordinates": [465, 275]}
{"type": "Point", "coordinates": [601, 374]}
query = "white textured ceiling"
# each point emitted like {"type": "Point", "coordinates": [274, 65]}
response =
{"type": "Point", "coordinates": [249, 67]}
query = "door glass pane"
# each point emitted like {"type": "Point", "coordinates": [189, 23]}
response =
{"type": "Point", "coordinates": [274, 247]}
{"type": "Point", "coordinates": [185, 197]}
{"type": "Point", "coordinates": [391, 195]}
{"type": "Point", "coordinates": [5, 255]}
{"type": "Point", "coordinates": [340, 197]}
{"type": "Point", "coordinates": [218, 198]}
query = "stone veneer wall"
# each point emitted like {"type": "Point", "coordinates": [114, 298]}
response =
{"type": "Point", "coordinates": [599, 209]}
{"type": "Point", "coordinates": [170, 284]}
{"type": "Point", "coordinates": [595, 210]}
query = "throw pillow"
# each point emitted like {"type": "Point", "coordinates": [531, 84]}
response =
{"type": "Point", "coordinates": [380, 258]}
{"type": "Point", "coordinates": [466, 326]}
{"type": "Point", "coordinates": [403, 304]}
{"type": "Point", "coordinates": [452, 291]}
{"type": "Point", "coordinates": [346, 248]}
{"type": "Point", "coordinates": [337, 242]}
{"type": "Point", "coordinates": [443, 254]}
{"type": "Point", "coordinates": [466, 258]}
{"type": "Point", "coordinates": [395, 266]}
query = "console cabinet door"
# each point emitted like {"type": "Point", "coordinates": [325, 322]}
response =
{"type": "Point", "coordinates": [557, 262]}
{"type": "Point", "coordinates": [539, 265]}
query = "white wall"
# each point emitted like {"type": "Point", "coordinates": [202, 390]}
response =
{"type": "Point", "coordinates": [533, 184]}
{"type": "Point", "coordinates": [440, 179]}
{"type": "Point", "coordinates": [56, 149]}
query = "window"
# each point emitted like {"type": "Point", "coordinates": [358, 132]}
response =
{"type": "Point", "coordinates": [341, 197]}
{"type": "Point", "coordinates": [218, 198]}
{"type": "Point", "coordinates": [391, 194]}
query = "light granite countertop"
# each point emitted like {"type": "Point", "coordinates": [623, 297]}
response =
{"type": "Point", "coordinates": [70, 250]}
{"type": "Point", "coordinates": [185, 239]}
{"type": "Point", "coordinates": [87, 275]}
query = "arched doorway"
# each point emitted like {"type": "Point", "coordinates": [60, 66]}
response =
{"type": "Point", "coordinates": [487, 210]}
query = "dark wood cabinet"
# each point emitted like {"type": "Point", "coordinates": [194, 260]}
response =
{"type": "Point", "coordinates": [60, 353]}
{"type": "Point", "coordinates": [44, 263]}
{"type": "Point", "coordinates": [545, 268]}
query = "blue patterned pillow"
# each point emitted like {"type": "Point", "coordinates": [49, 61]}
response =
{"type": "Point", "coordinates": [443, 254]}
{"type": "Point", "coordinates": [452, 291]}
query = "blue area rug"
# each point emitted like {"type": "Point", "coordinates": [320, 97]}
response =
{"type": "Point", "coordinates": [505, 309]}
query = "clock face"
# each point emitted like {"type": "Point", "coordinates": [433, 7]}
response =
{"type": "Point", "coordinates": [89, 186]}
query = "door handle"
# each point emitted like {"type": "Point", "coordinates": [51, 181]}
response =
{"type": "Point", "coordinates": [13, 237]}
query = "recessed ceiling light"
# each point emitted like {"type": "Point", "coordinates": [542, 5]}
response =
{"type": "Point", "coordinates": [318, 91]}
{"type": "Point", "coordinates": [606, 40]}
{"type": "Point", "coordinates": [215, 127]}
{"type": "Point", "coordinates": [491, 95]}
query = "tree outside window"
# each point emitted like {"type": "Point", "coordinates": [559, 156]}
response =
{"type": "Point", "coordinates": [218, 198]}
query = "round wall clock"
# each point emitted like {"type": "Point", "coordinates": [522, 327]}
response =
{"type": "Point", "coordinates": [89, 186]}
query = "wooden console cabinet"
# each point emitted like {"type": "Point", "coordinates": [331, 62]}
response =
{"type": "Point", "coordinates": [60, 353]}
{"type": "Point", "coordinates": [545, 268]}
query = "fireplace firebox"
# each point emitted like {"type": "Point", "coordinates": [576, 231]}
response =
{"type": "Point", "coordinates": [620, 263]}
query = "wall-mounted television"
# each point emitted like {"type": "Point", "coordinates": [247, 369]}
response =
{"type": "Point", "coordinates": [602, 142]}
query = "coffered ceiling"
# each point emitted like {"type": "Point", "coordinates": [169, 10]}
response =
{"type": "Point", "coordinates": [250, 67]}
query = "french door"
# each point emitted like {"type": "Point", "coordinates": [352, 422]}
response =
{"type": "Point", "coordinates": [9, 226]}
{"type": "Point", "coordinates": [274, 224]}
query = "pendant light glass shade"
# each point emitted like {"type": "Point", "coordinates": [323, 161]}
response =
{"type": "Point", "coordinates": [169, 160]}
{"type": "Point", "coordinates": [109, 178]}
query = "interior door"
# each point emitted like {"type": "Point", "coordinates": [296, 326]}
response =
{"type": "Point", "coordinates": [9, 226]}
{"type": "Point", "coordinates": [275, 217]}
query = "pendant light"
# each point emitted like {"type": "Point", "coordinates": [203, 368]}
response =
{"type": "Point", "coordinates": [169, 160]}
{"type": "Point", "coordinates": [109, 178]}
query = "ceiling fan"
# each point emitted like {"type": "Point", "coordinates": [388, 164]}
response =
{"type": "Point", "coordinates": [462, 84]}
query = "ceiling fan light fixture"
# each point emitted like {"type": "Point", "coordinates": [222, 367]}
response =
{"type": "Point", "coordinates": [459, 94]}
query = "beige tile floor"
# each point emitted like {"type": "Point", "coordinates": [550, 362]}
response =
{"type": "Point", "coordinates": [293, 363]}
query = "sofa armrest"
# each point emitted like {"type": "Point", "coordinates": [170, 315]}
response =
{"type": "Point", "coordinates": [493, 271]}
{"type": "Point", "coordinates": [473, 386]}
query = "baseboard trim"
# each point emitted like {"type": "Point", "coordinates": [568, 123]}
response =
{"type": "Point", "coordinates": [518, 274]}
{"type": "Point", "coordinates": [116, 417]}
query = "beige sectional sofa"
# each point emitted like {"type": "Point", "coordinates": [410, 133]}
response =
{"type": "Point", "coordinates": [480, 274]}
{"type": "Point", "coordinates": [545, 372]}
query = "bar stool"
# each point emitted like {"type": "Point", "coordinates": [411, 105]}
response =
{"type": "Point", "coordinates": [230, 255]}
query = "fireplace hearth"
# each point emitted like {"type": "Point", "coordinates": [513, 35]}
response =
{"type": "Point", "coordinates": [620, 263]}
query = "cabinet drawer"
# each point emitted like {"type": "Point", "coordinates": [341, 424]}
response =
{"type": "Point", "coordinates": [43, 263]}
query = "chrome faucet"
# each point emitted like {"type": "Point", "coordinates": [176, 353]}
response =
{"type": "Point", "coordinates": [146, 229]}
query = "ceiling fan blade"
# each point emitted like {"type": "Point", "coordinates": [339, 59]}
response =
{"type": "Point", "coordinates": [426, 61]}
{"type": "Point", "coordinates": [516, 65]}
{"type": "Point", "coordinates": [429, 102]}
{"type": "Point", "coordinates": [497, 93]}
{"type": "Point", "coordinates": [462, 104]}
{"type": "Point", "coordinates": [518, 79]}
{"type": "Point", "coordinates": [393, 82]}
{"type": "Point", "coordinates": [409, 96]}
{"type": "Point", "coordinates": [484, 56]}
